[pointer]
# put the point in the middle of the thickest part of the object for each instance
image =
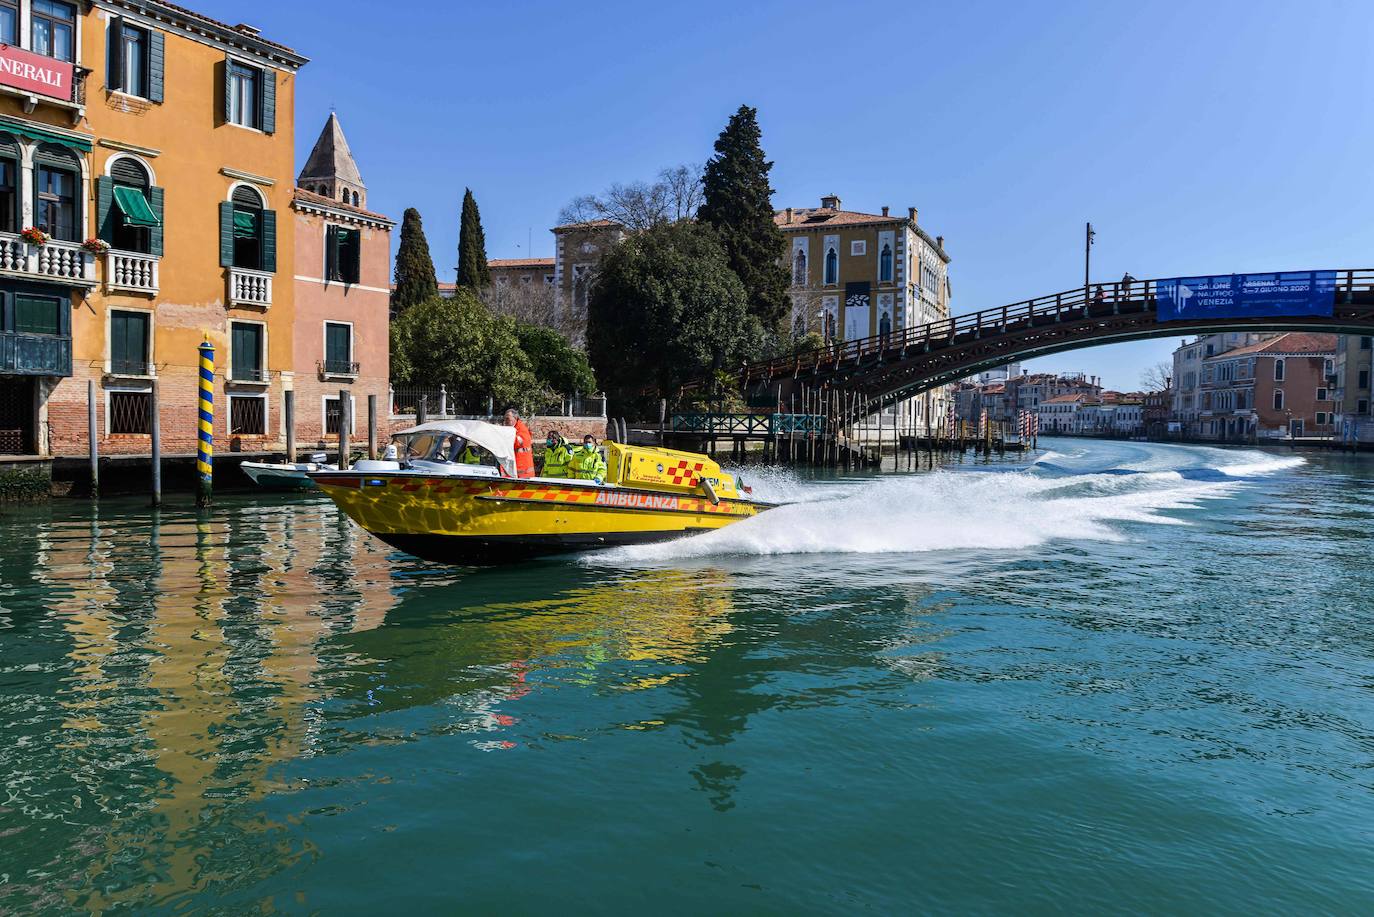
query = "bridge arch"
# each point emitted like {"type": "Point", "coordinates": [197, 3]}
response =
{"type": "Point", "coordinates": [901, 364]}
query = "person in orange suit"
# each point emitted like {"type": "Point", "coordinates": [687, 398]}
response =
{"type": "Point", "coordinates": [524, 444]}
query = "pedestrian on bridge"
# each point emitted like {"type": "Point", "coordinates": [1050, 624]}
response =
{"type": "Point", "coordinates": [1126, 281]}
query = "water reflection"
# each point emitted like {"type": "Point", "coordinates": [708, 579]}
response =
{"type": "Point", "coordinates": [162, 667]}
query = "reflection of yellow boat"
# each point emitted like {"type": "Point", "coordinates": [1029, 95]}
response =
{"type": "Point", "coordinates": [460, 513]}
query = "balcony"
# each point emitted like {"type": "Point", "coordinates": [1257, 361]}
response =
{"type": "Point", "coordinates": [249, 288]}
{"type": "Point", "coordinates": [337, 369]}
{"type": "Point", "coordinates": [63, 261]}
{"type": "Point", "coordinates": [131, 272]}
{"type": "Point", "coordinates": [130, 369]}
{"type": "Point", "coordinates": [35, 354]}
{"type": "Point", "coordinates": [248, 375]}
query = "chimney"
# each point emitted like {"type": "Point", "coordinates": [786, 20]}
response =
{"type": "Point", "coordinates": [884, 210]}
{"type": "Point", "coordinates": [789, 214]}
{"type": "Point", "coordinates": [940, 242]}
{"type": "Point", "coordinates": [830, 202]}
{"type": "Point", "coordinates": [247, 29]}
{"type": "Point", "coordinates": [911, 214]}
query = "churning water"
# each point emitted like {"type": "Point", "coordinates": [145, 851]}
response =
{"type": "Point", "coordinates": [1117, 677]}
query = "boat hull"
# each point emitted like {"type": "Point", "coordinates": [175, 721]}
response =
{"type": "Point", "coordinates": [278, 476]}
{"type": "Point", "coordinates": [456, 519]}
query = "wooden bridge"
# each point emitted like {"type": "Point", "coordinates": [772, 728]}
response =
{"type": "Point", "coordinates": [890, 367]}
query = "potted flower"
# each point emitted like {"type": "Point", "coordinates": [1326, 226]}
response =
{"type": "Point", "coordinates": [96, 246]}
{"type": "Point", "coordinates": [35, 237]}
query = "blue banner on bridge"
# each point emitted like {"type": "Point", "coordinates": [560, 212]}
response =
{"type": "Point", "coordinates": [1246, 295]}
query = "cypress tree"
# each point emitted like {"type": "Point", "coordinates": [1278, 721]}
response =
{"type": "Point", "coordinates": [738, 202]}
{"type": "Point", "coordinates": [472, 246]}
{"type": "Point", "coordinates": [415, 280]}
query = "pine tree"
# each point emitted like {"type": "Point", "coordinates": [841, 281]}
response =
{"type": "Point", "coordinates": [472, 247]}
{"type": "Point", "coordinates": [738, 202]}
{"type": "Point", "coordinates": [415, 280]}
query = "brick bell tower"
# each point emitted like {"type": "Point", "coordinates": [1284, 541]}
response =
{"type": "Point", "coordinates": [330, 170]}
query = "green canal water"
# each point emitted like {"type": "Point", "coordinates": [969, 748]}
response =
{"type": "Point", "coordinates": [1122, 677]}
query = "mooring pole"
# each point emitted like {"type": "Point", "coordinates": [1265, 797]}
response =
{"type": "Point", "coordinates": [372, 426]}
{"type": "Point", "coordinates": [345, 421]}
{"type": "Point", "coordinates": [205, 454]}
{"type": "Point", "coordinates": [155, 406]}
{"type": "Point", "coordinates": [289, 416]}
{"type": "Point", "coordinates": [93, 434]}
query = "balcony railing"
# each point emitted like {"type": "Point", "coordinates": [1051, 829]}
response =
{"type": "Point", "coordinates": [337, 368]}
{"type": "Point", "coordinates": [131, 272]}
{"type": "Point", "coordinates": [53, 261]}
{"type": "Point", "coordinates": [249, 288]}
{"type": "Point", "coordinates": [35, 354]}
{"type": "Point", "coordinates": [131, 368]}
{"type": "Point", "coordinates": [253, 374]}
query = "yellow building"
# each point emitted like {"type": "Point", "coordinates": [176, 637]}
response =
{"type": "Point", "coordinates": [160, 175]}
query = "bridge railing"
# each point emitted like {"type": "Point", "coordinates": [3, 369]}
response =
{"type": "Point", "coordinates": [1098, 301]}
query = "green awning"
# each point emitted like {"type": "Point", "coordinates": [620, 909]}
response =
{"type": "Point", "coordinates": [245, 225]}
{"type": "Point", "coordinates": [134, 206]}
{"type": "Point", "coordinates": [36, 133]}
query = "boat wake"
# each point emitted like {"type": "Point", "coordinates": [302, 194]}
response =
{"type": "Point", "coordinates": [1078, 497]}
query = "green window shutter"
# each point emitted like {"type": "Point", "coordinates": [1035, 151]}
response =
{"type": "Point", "coordinates": [155, 200]}
{"type": "Point", "coordinates": [104, 208]}
{"type": "Point", "coordinates": [351, 255]}
{"type": "Point", "coordinates": [129, 340]}
{"type": "Point", "coordinates": [268, 82]}
{"type": "Point", "coordinates": [114, 54]}
{"type": "Point", "coordinates": [157, 55]}
{"type": "Point", "coordinates": [7, 323]}
{"type": "Point", "coordinates": [336, 343]}
{"type": "Point", "coordinates": [226, 234]}
{"type": "Point", "coordinates": [331, 253]}
{"type": "Point", "coordinates": [119, 339]}
{"type": "Point", "coordinates": [37, 314]}
{"type": "Point", "coordinates": [269, 241]}
{"type": "Point", "coordinates": [222, 81]}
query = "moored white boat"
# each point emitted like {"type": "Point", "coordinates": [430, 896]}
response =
{"type": "Point", "coordinates": [286, 475]}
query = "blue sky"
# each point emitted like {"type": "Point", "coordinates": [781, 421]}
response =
{"type": "Point", "coordinates": [1198, 138]}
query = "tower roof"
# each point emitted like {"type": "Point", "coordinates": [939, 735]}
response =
{"type": "Point", "coordinates": [331, 157]}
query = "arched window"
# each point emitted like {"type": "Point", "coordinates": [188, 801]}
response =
{"type": "Point", "coordinates": [799, 268]}
{"type": "Point", "coordinates": [9, 183]}
{"type": "Point", "coordinates": [355, 199]}
{"type": "Point", "coordinates": [1278, 399]}
{"type": "Point", "coordinates": [131, 216]}
{"type": "Point", "coordinates": [343, 195]}
{"type": "Point", "coordinates": [885, 263]}
{"type": "Point", "coordinates": [248, 227]}
{"type": "Point", "coordinates": [832, 265]}
{"type": "Point", "coordinates": [1278, 369]}
{"type": "Point", "coordinates": [56, 175]}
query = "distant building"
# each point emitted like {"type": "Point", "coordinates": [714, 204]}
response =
{"type": "Point", "coordinates": [537, 272]}
{"type": "Point", "coordinates": [1354, 420]}
{"type": "Point", "coordinates": [1188, 360]}
{"type": "Point", "coordinates": [1060, 413]}
{"type": "Point", "coordinates": [1273, 389]}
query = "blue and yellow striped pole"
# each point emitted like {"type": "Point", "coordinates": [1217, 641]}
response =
{"type": "Point", "coordinates": [205, 456]}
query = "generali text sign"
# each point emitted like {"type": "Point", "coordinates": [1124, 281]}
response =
{"type": "Point", "coordinates": [35, 73]}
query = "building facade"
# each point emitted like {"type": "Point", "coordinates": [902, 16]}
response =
{"type": "Point", "coordinates": [158, 177]}
{"type": "Point", "coordinates": [1189, 357]}
{"type": "Point", "coordinates": [1275, 389]}
{"type": "Point", "coordinates": [343, 262]}
{"type": "Point", "coordinates": [1354, 368]}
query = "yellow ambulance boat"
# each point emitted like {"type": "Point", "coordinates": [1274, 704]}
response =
{"type": "Point", "coordinates": [427, 502]}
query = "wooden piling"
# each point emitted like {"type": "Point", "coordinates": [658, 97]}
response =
{"type": "Point", "coordinates": [93, 433]}
{"type": "Point", "coordinates": [345, 421]}
{"type": "Point", "coordinates": [289, 417]}
{"type": "Point", "coordinates": [372, 426]}
{"type": "Point", "coordinates": [155, 427]}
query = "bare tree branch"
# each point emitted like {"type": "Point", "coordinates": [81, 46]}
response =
{"type": "Point", "coordinates": [1158, 377]}
{"type": "Point", "coordinates": [638, 205]}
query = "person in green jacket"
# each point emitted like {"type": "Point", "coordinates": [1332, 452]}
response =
{"type": "Point", "coordinates": [587, 463]}
{"type": "Point", "coordinates": [557, 457]}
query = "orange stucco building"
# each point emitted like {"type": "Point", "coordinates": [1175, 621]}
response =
{"type": "Point", "coordinates": [148, 201]}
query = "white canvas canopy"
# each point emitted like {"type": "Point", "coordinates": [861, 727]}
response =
{"type": "Point", "coordinates": [498, 440]}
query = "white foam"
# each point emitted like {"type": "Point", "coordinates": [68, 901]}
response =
{"type": "Point", "coordinates": [944, 511]}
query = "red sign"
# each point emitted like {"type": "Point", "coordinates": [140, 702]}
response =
{"type": "Point", "coordinates": [35, 73]}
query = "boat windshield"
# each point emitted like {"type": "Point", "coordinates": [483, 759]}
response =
{"type": "Point", "coordinates": [447, 448]}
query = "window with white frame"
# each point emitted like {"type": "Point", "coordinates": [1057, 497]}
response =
{"type": "Point", "coordinates": [858, 247]}
{"type": "Point", "coordinates": [1278, 369]}
{"type": "Point", "coordinates": [1321, 394]}
{"type": "Point", "coordinates": [338, 349]}
{"type": "Point", "coordinates": [330, 408]}
{"type": "Point", "coordinates": [1278, 399]}
{"type": "Point", "coordinates": [832, 265]}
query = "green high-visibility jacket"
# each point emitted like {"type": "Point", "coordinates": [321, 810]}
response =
{"type": "Point", "coordinates": [557, 461]}
{"type": "Point", "coordinates": [470, 457]}
{"type": "Point", "coordinates": [587, 464]}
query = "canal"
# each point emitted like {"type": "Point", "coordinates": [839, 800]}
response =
{"type": "Point", "coordinates": [1110, 676]}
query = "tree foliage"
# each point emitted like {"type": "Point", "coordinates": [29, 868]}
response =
{"type": "Point", "coordinates": [557, 365]}
{"type": "Point", "coordinates": [415, 279]}
{"type": "Point", "coordinates": [472, 246]}
{"type": "Point", "coordinates": [639, 205]}
{"type": "Point", "coordinates": [457, 343]}
{"type": "Point", "coordinates": [738, 202]}
{"type": "Point", "coordinates": [666, 310]}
